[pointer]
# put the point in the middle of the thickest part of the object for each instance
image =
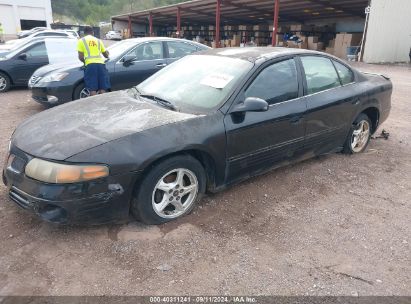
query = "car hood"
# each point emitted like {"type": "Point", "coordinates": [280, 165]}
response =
{"type": "Point", "coordinates": [57, 67]}
{"type": "Point", "coordinates": [69, 129]}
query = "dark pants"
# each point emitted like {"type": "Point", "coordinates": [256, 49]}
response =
{"type": "Point", "coordinates": [96, 77]}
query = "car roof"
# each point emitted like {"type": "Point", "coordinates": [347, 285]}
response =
{"type": "Point", "coordinates": [144, 39]}
{"type": "Point", "coordinates": [253, 54]}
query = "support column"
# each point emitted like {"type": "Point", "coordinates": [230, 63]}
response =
{"type": "Point", "coordinates": [150, 22]}
{"type": "Point", "coordinates": [178, 22]}
{"type": "Point", "coordinates": [130, 29]}
{"type": "Point", "coordinates": [217, 23]}
{"type": "Point", "coordinates": [275, 25]}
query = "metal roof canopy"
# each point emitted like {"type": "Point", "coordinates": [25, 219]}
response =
{"type": "Point", "coordinates": [234, 12]}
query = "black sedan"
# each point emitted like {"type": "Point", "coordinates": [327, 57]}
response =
{"type": "Point", "coordinates": [131, 61]}
{"type": "Point", "coordinates": [18, 64]}
{"type": "Point", "coordinates": [201, 124]}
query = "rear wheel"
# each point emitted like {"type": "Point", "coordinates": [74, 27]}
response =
{"type": "Point", "coordinates": [80, 92]}
{"type": "Point", "coordinates": [5, 83]}
{"type": "Point", "coordinates": [169, 191]}
{"type": "Point", "coordinates": [359, 136]}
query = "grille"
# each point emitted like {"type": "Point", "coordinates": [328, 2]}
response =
{"type": "Point", "coordinates": [34, 79]}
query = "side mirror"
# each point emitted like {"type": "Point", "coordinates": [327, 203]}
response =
{"type": "Point", "coordinates": [23, 56]}
{"type": "Point", "coordinates": [251, 104]}
{"type": "Point", "coordinates": [129, 58]}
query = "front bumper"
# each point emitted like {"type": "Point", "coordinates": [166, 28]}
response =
{"type": "Point", "coordinates": [52, 94]}
{"type": "Point", "coordinates": [94, 202]}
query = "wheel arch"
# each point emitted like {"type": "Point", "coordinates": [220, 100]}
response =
{"type": "Point", "coordinates": [75, 87]}
{"type": "Point", "coordinates": [8, 75]}
{"type": "Point", "coordinates": [374, 115]}
{"type": "Point", "coordinates": [205, 159]}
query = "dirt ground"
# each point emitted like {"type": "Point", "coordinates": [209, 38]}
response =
{"type": "Point", "coordinates": [334, 225]}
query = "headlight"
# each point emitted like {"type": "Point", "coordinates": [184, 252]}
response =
{"type": "Point", "coordinates": [54, 77]}
{"type": "Point", "coordinates": [55, 173]}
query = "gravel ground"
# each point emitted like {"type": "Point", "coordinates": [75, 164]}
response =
{"type": "Point", "coordinates": [334, 225]}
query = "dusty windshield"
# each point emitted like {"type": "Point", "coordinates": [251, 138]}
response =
{"type": "Point", "coordinates": [197, 83]}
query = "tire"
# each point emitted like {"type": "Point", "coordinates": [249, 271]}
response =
{"type": "Point", "coordinates": [79, 90]}
{"type": "Point", "coordinates": [5, 83]}
{"type": "Point", "coordinates": [358, 140]}
{"type": "Point", "coordinates": [152, 205]}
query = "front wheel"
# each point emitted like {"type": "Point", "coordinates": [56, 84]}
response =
{"type": "Point", "coordinates": [5, 83]}
{"type": "Point", "coordinates": [80, 92]}
{"type": "Point", "coordinates": [359, 136]}
{"type": "Point", "coordinates": [169, 191]}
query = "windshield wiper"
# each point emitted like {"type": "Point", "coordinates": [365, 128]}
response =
{"type": "Point", "coordinates": [137, 92]}
{"type": "Point", "coordinates": [160, 101]}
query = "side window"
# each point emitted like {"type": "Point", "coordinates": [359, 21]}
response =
{"type": "Point", "coordinates": [148, 51]}
{"type": "Point", "coordinates": [180, 49]}
{"type": "Point", "coordinates": [346, 75]}
{"type": "Point", "coordinates": [320, 74]}
{"type": "Point", "coordinates": [276, 83]}
{"type": "Point", "coordinates": [39, 50]}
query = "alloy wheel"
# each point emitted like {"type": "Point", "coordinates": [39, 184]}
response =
{"type": "Point", "coordinates": [360, 136]}
{"type": "Point", "coordinates": [3, 83]}
{"type": "Point", "coordinates": [174, 193]}
{"type": "Point", "coordinates": [84, 93]}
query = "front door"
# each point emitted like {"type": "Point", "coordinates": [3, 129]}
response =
{"type": "Point", "coordinates": [257, 141]}
{"type": "Point", "coordinates": [149, 59]}
{"type": "Point", "coordinates": [28, 61]}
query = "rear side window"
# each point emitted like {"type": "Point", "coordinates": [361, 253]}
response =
{"type": "Point", "coordinates": [346, 75]}
{"type": "Point", "coordinates": [180, 49]}
{"type": "Point", "coordinates": [320, 74]}
{"type": "Point", "coordinates": [276, 83]}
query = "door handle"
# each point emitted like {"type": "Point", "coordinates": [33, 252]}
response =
{"type": "Point", "coordinates": [161, 65]}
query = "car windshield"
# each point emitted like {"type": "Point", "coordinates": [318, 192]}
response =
{"type": "Point", "coordinates": [196, 83]}
{"type": "Point", "coordinates": [119, 48]}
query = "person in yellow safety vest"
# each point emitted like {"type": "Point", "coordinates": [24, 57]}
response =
{"type": "Point", "coordinates": [1, 33]}
{"type": "Point", "coordinates": [90, 49]}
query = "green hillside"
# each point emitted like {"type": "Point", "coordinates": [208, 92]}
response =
{"type": "Point", "coordinates": [94, 11]}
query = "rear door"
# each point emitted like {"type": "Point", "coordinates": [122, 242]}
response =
{"type": "Point", "coordinates": [149, 59]}
{"type": "Point", "coordinates": [330, 103]}
{"type": "Point", "coordinates": [256, 141]}
{"type": "Point", "coordinates": [24, 66]}
{"type": "Point", "coordinates": [179, 49]}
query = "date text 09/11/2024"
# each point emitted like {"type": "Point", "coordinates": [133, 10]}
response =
{"type": "Point", "coordinates": [204, 299]}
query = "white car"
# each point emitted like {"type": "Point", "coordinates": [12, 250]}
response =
{"type": "Point", "coordinates": [114, 35]}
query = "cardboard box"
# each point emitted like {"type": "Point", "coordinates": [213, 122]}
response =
{"type": "Point", "coordinates": [260, 27]}
{"type": "Point", "coordinates": [344, 40]}
{"type": "Point", "coordinates": [329, 50]}
{"type": "Point", "coordinates": [300, 28]}
{"type": "Point", "coordinates": [236, 40]}
{"type": "Point", "coordinates": [245, 28]}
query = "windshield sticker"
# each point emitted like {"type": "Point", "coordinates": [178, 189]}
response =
{"type": "Point", "coordinates": [217, 81]}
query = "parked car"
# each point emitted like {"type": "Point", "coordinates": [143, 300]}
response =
{"type": "Point", "coordinates": [47, 33]}
{"type": "Point", "coordinates": [7, 48]}
{"type": "Point", "coordinates": [25, 33]}
{"type": "Point", "coordinates": [131, 61]}
{"type": "Point", "coordinates": [17, 66]}
{"type": "Point", "coordinates": [205, 122]}
{"type": "Point", "coordinates": [114, 35]}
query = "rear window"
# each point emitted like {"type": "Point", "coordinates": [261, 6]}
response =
{"type": "Point", "coordinates": [320, 74]}
{"type": "Point", "coordinates": [346, 75]}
